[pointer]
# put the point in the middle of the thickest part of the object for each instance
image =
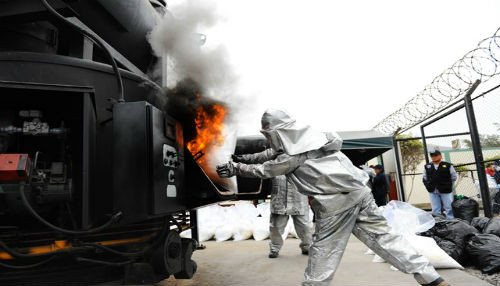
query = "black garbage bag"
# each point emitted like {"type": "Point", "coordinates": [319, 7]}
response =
{"type": "Point", "coordinates": [493, 227]}
{"type": "Point", "coordinates": [496, 204]}
{"type": "Point", "coordinates": [452, 249]}
{"type": "Point", "coordinates": [480, 222]}
{"type": "Point", "coordinates": [465, 208]}
{"type": "Point", "coordinates": [438, 217]}
{"type": "Point", "coordinates": [437, 239]}
{"type": "Point", "coordinates": [454, 230]}
{"type": "Point", "coordinates": [428, 233]}
{"type": "Point", "coordinates": [483, 249]}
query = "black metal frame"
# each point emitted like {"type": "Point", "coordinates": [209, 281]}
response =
{"type": "Point", "coordinates": [473, 132]}
{"type": "Point", "coordinates": [400, 174]}
{"type": "Point", "coordinates": [400, 182]}
{"type": "Point", "coordinates": [478, 154]}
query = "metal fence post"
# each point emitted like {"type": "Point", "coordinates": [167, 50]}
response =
{"type": "Point", "coordinates": [398, 169]}
{"type": "Point", "coordinates": [193, 223]}
{"type": "Point", "coordinates": [478, 154]}
{"type": "Point", "coordinates": [424, 142]}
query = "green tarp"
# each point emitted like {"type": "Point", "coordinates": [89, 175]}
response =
{"type": "Point", "coordinates": [361, 146]}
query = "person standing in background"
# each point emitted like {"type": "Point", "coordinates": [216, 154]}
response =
{"type": "Point", "coordinates": [380, 186]}
{"type": "Point", "coordinates": [286, 201]}
{"type": "Point", "coordinates": [497, 172]}
{"type": "Point", "coordinates": [370, 171]}
{"type": "Point", "coordinates": [491, 171]}
{"type": "Point", "coordinates": [496, 199]}
{"type": "Point", "coordinates": [438, 178]}
{"type": "Point", "coordinates": [491, 178]}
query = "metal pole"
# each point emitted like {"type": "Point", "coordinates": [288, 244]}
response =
{"type": "Point", "coordinates": [478, 154]}
{"type": "Point", "coordinates": [193, 223]}
{"type": "Point", "coordinates": [424, 142]}
{"type": "Point", "coordinates": [398, 169]}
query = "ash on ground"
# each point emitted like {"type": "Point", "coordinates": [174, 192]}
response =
{"type": "Point", "coordinates": [493, 279]}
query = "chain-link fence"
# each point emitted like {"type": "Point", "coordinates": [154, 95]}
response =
{"type": "Point", "coordinates": [413, 167]}
{"type": "Point", "coordinates": [468, 136]}
{"type": "Point", "coordinates": [487, 111]}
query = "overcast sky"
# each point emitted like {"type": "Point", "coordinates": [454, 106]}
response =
{"type": "Point", "coordinates": [344, 65]}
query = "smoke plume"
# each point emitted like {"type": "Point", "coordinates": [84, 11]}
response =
{"type": "Point", "coordinates": [200, 78]}
{"type": "Point", "coordinates": [180, 37]}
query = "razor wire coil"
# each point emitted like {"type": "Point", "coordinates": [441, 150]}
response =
{"type": "Point", "coordinates": [480, 63]}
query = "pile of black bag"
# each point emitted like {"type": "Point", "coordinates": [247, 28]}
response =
{"type": "Point", "coordinates": [474, 243]}
{"type": "Point", "coordinates": [465, 208]}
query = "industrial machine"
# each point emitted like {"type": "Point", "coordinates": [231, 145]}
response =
{"type": "Point", "coordinates": [96, 182]}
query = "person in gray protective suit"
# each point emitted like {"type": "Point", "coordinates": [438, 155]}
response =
{"type": "Point", "coordinates": [286, 201]}
{"type": "Point", "coordinates": [342, 202]}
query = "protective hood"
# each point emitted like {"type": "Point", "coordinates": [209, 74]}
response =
{"type": "Point", "coordinates": [284, 135]}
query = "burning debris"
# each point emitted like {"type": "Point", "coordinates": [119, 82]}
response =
{"type": "Point", "coordinates": [200, 83]}
{"type": "Point", "coordinates": [209, 130]}
{"type": "Point", "coordinates": [205, 127]}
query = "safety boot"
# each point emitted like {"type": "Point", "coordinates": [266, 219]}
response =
{"type": "Point", "coordinates": [305, 251]}
{"type": "Point", "coordinates": [273, 254]}
{"type": "Point", "coordinates": [438, 282]}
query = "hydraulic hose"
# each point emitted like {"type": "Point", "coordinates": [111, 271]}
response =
{"type": "Point", "coordinates": [17, 254]}
{"type": "Point", "coordinates": [102, 262]}
{"type": "Point", "coordinates": [91, 245]}
{"type": "Point", "coordinates": [97, 41]}
{"type": "Point", "coordinates": [153, 243]}
{"type": "Point", "coordinates": [111, 221]}
{"type": "Point", "coordinates": [28, 266]}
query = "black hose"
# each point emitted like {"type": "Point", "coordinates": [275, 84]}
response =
{"type": "Point", "coordinates": [92, 245]}
{"type": "Point", "coordinates": [28, 265]}
{"type": "Point", "coordinates": [153, 243]}
{"type": "Point", "coordinates": [15, 253]}
{"type": "Point", "coordinates": [114, 251]}
{"type": "Point", "coordinates": [96, 40]}
{"type": "Point", "coordinates": [112, 220]}
{"type": "Point", "coordinates": [108, 263]}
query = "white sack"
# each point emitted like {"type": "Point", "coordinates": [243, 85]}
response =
{"type": "Point", "coordinates": [261, 228]}
{"type": "Point", "coordinates": [427, 247]}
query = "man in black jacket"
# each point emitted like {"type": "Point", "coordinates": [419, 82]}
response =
{"type": "Point", "coordinates": [380, 186]}
{"type": "Point", "coordinates": [438, 179]}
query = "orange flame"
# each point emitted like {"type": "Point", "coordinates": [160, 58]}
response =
{"type": "Point", "coordinates": [209, 131]}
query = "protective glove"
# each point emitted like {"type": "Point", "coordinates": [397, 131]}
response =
{"type": "Point", "coordinates": [226, 170]}
{"type": "Point", "coordinates": [236, 158]}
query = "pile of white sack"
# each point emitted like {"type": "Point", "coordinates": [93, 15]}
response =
{"type": "Point", "coordinates": [240, 221]}
{"type": "Point", "coordinates": [408, 220]}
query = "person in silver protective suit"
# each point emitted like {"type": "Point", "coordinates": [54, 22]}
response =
{"type": "Point", "coordinates": [370, 171]}
{"type": "Point", "coordinates": [342, 202]}
{"type": "Point", "coordinates": [286, 201]}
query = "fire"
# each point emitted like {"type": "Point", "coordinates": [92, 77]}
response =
{"type": "Point", "coordinates": [209, 131]}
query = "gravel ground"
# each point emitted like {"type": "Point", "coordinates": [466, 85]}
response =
{"type": "Point", "coordinates": [493, 279]}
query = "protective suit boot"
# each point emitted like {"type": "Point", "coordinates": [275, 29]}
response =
{"type": "Point", "coordinates": [273, 254]}
{"type": "Point", "coordinates": [305, 251]}
{"type": "Point", "coordinates": [438, 282]}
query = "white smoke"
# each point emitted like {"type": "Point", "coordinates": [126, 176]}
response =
{"type": "Point", "coordinates": [179, 37]}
